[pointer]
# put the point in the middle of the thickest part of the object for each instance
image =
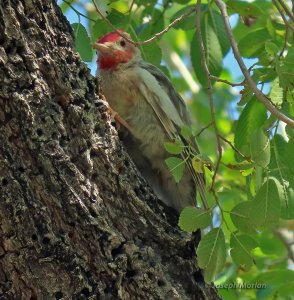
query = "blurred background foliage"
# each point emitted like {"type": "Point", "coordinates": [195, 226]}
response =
{"type": "Point", "coordinates": [255, 182]}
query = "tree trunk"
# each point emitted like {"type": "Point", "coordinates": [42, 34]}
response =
{"type": "Point", "coordinates": [76, 219]}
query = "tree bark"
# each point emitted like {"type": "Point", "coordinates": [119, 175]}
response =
{"type": "Point", "coordinates": [76, 219]}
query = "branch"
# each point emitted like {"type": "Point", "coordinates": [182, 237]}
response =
{"type": "Point", "coordinates": [234, 148]}
{"type": "Point", "coordinates": [251, 84]}
{"type": "Point", "coordinates": [175, 21]}
{"type": "Point", "coordinates": [225, 81]}
{"type": "Point", "coordinates": [109, 23]}
{"type": "Point", "coordinates": [156, 35]}
{"type": "Point", "coordinates": [212, 111]}
{"type": "Point", "coordinates": [204, 128]}
{"type": "Point", "coordinates": [286, 9]}
{"type": "Point", "coordinates": [283, 16]}
{"type": "Point", "coordinates": [131, 6]}
{"type": "Point", "coordinates": [77, 12]}
{"type": "Point", "coordinates": [285, 41]}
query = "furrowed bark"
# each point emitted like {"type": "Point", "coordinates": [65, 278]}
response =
{"type": "Point", "coordinates": [76, 219]}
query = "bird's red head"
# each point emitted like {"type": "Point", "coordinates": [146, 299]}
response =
{"type": "Point", "coordinates": [113, 49]}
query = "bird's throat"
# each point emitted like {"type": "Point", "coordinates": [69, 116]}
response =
{"type": "Point", "coordinates": [112, 60]}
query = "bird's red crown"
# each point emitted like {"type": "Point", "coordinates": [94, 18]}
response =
{"type": "Point", "coordinates": [110, 37]}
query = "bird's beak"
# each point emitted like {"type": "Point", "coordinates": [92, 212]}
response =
{"type": "Point", "coordinates": [102, 48]}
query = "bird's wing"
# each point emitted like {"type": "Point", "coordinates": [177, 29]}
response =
{"type": "Point", "coordinates": [170, 109]}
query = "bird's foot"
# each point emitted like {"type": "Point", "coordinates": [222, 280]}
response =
{"type": "Point", "coordinates": [114, 116]}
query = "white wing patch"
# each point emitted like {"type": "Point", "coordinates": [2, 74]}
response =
{"type": "Point", "coordinates": [159, 101]}
{"type": "Point", "coordinates": [168, 116]}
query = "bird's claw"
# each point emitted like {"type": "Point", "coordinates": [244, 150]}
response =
{"type": "Point", "coordinates": [114, 116]}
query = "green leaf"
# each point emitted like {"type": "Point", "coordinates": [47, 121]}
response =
{"type": "Point", "coordinates": [254, 42]}
{"type": "Point", "coordinates": [154, 25]}
{"type": "Point", "coordinates": [176, 166]}
{"type": "Point", "coordinates": [290, 97]}
{"type": "Point", "coordinates": [182, 1]}
{"type": "Point", "coordinates": [276, 93]}
{"type": "Point", "coordinates": [286, 196]}
{"type": "Point", "coordinates": [289, 131]}
{"type": "Point", "coordinates": [271, 48]}
{"type": "Point", "coordinates": [173, 148]}
{"type": "Point", "coordinates": [117, 18]}
{"type": "Point", "coordinates": [289, 154]}
{"type": "Point", "coordinates": [244, 165]}
{"type": "Point", "coordinates": [260, 148]}
{"type": "Point", "coordinates": [240, 216]}
{"type": "Point", "coordinates": [65, 6]}
{"type": "Point", "coordinates": [99, 29]}
{"type": "Point", "coordinates": [146, 2]}
{"type": "Point", "coordinates": [186, 132]}
{"type": "Point", "coordinates": [217, 23]}
{"type": "Point", "coordinates": [266, 206]}
{"type": "Point", "coordinates": [192, 218]}
{"type": "Point", "coordinates": [280, 281]}
{"type": "Point", "coordinates": [197, 164]}
{"type": "Point", "coordinates": [285, 70]}
{"type": "Point", "coordinates": [244, 8]}
{"type": "Point", "coordinates": [246, 96]}
{"type": "Point", "coordinates": [259, 177]}
{"type": "Point", "coordinates": [279, 165]}
{"type": "Point", "coordinates": [152, 53]}
{"type": "Point", "coordinates": [241, 246]}
{"type": "Point", "coordinates": [188, 22]}
{"type": "Point", "coordinates": [82, 42]}
{"type": "Point", "coordinates": [213, 52]}
{"type": "Point", "coordinates": [211, 253]}
{"type": "Point", "coordinates": [264, 74]}
{"type": "Point", "coordinates": [271, 244]}
{"type": "Point", "coordinates": [252, 117]}
{"type": "Point", "coordinates": [287, 211]}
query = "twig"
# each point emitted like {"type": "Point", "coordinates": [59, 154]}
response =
{"type": "Point", "coordinates": [156, 35]}
{"type": "Point", "coordinates": [77, 12]}
{"type": "Point", "coordinates": [131, 6]}
{"type": "Point", "coordinates": [283, 16]}
{"type": "Point", "coordinates": [202, 129]}
{"type": "Point", "coordinates": [209, 89]}
{"type": "Point", "coordinates": [252, 66]}
{"type": "Point", "coordinates": [285, 41]}
{"type": "Point", "coordinates": [226, 81]}
{"type": "Point", "coordinates": [251, 84]}
{"type": "Point", "coordinates": [286, 9]}
{"type": "Point", "coordinates": [109, 23]}
{"type": "Point", "coordinates": [237, 167]}
{"type": "Point", "coordinates": [174, 22]}
{"type": "Point", "coordinates": [234, 148]}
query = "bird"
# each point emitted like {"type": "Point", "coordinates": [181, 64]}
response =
{"type": "Point", "coordinates": [151, 113]}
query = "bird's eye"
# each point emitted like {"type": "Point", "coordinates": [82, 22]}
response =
{"type": "Point", "coordinates": [122, 43]}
